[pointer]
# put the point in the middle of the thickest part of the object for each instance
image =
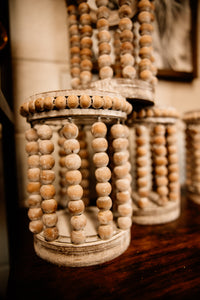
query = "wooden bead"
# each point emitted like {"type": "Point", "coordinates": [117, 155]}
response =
{"type": "Point", "coordinates": [70, 131]}
{"type": "Point", "coordinates": [78, 222]}
{"type": "Point", "coordinates": [102, 24]}
{"type": "Point", "coordinates": [146, 28]}
{"type": "Point", "coordinates": [24, 109]}
{"type": "Point", "coordinates": [103, 189]}
{"type": "Point", "coordinates": [33, 161]}
{"type": "Point", "coordinates": [146, 75]}
{"type": "Point", "coordinates": [161, 170]}
{"type": "Point", "coordinates": [72, 20]}
{"type": "Point", "coordinates": [145, 64]}
{"type": "Point", "coordinates": [141, 151]}
{"type": "Point", "coordinates": [120, 158]}
{"type": "Point", "coordinates": [104, 202]}
{"type": "Point", "coordinates": [75, 82]}
{"type": "Point", "coordinates": [86, 65]}
{"type": "Point", "coordinates": [76, 207]}
{"type": "Point", "coordinates": [160, 150]}
{"type": "Point", "coordinates": [99, 144]}
{"type": "Point", "coordinates": [173, 158]}
{"type": "Point", "coordinates": [105, 217]}
{"type": "Point", "coordinates": [125, 11]}
{"type": "Point", "coordinates": [173, 177]}
{"type": "Point", "coordinates": [106, 72]}
{"type": "Point", "coordinates": [142, 171]}
{"type": "Point", "coordinates": [105, 231]}
{"type": "Point", "coordinates": [126, 47]}
{"type": "Point", "coordinates": [104, 60]}
{"type": "Point", "coordinates": [78, 237]}
{"type": "Point", "coordinates": [104, 48]}
{"type": "Point", "coordinates": [48, 103]}
{"type": "Point", "coordinates": [86, 30]}
{"type": "Point", "coordinates": [31, 106]}
{"type": "Point", "coordinates": [173, 168]}
{"type": "Point", "coordinates": [144, 17]}
{"type": "Point", "coordinates": [86, 53]}
{"type": "Point", "coordinates": [33, 174]}
{"type": "Point", "coordinates": [47, 176]}
{"type": "Point", "coordinates": [145, 40]}
{"type": "Point", "coordinates": [75, 192]}
{"type": "Point", "coordinates": [122, 184]}
{"type": "Point", "coordinates": [83, 153]}
{"type": "Point", "coordinates": [171, 129]}
{"type": "Point", "coordinates": [85, 183]}
{"type": "Point", "coordinates": [123, 197]}
{"type": "Point", "coordinates": [60, 102]}
{"type": "Point", "coordinates": [85, 101]}
{"type": "Point", "coordinates": [125, 24]}
{"type": "Point", "coordinates": [117, 131]}
{"type": "Point", "coordinates": [172, 149]}
{"type": "Point", "coordinates": [159, 140]}
{"type": "Point", "coordinates": [47, 191]}
{"type": "Point", "coordinates": [97, 102]}
{"type": "Point", "coordinates": [84, 163]}
{"type": "Point", "coordinates": [83, 8]}
{"type": "Point", "coordinates": [121, 171]}
{"type": "Point", "coordinates": [36, 226]}
{"type": "Point", "coordinates": [142, 161]}
{"type": "Point", "coordinates": [162, 190]}
{"type": "Point", "coordinates": [129, 72]}
{"type": "Point", "coordinates": [125, 210]}
{"type": "Point", "coordinates": [34, 200]}
{"type": "Point", "coordinates": [32, 148]}
{"type": "Point", "coordinates": [51, 233]}
{"type": "Point", "coordinates": [45, 132]}
{"type": "Point", "coordinates": [103, 174]}
{"type": "Point", "coordinates": [50, 220]}
{"type": "Point", "coordinates": [85, 19]}
{"type": "Point", "coordinates": [33, 187]}
{"type": "Point", "coordinates": [99, 130]}
{"type": "Point", "coordinates": [160, 160]}
{"type": "Point", "coordinates": [46, 146]}
{"type": "Point", "coordinates": [85, 173]}
{"type": "Point", "coordinates": [159, 129]}
{"type": "Point", "coordinates": [104, 36]}
{"type": "Point", "coordinates": [141, 140]}
{"type": "Point", "coordinates": [35, 213]}
{"type": "Point", "coordinates": [171, 140]}
{"type": "Point", "coordinates": [100, 159]}
{"type": "Point", "coordinates": [73, 177]}
{"type": "Point", "coordinates": [75, 72]}
{"type": "Point", "coordinates": [73, 161]}
{"type": "Point", "coordinates": [127, 60]}
{"type": "Point", "coordinates": [71, 146]}
{"type": "Point", "coordinates": [103, 12]}
{"type": "Point", "coordinates": [120, 144]}
{"type": "Point", "coordinates": [85, 77]}
{"type": "Point", "coordinates": [124, 222]}
{"type": "Point", "coordinates": [161, 180]}
{"type": "Point", "coordinates": [145, 52]}
{"type": "Point", "coordinates": [47, 162]}
{"type": "Point", "coordinates": [107, 102]}
{"type": "Point", "coordinates": [141, 182]}
{"type": "Point", "coordinates": [49, 206]}
{"type": "Point", "coordinates": [31, 135]}
{"type": "Point", "coordinates": [86, 42]}
{"type": "Point", "coordinates": [101, 3]}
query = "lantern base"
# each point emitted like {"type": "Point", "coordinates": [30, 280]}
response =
{"type": "Point", "coordinates": [94, 251]}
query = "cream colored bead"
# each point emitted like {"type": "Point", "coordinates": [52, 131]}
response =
{"type": "Point", "coordinates": [86, 77]}
{"type": "Point", "coordinates": [160, 161]}
{"type": "Point", "coordinates": [102, 24]}
{"type": "Point", "coordinates": [46, 146]}
{"type": "Point", "coordinates": [36, 226]}
{"type": "Point", "coordinates": [33, 174]}
{"type": "Point", "coordinates": [78, 236]}
{"type": "Point", "coordinates": [120, 158]}
{"type": "Point", "coordinates": [125, 210]}
{"type": "Point", "coordinates": [101, 3]}
{"type": "Point", "coordinates": [141, 151]}
{"type": "Point", "coordinates": [142, 161]}
{"type": "Point", "coordinates": [104, 202]}
{"type": "Point", "coordinates": [51, 233]}
{"type": "Point", "coordinates": [117, 131]}
{"type": "Point", "coordinates": [99, 144]}
{"type": "Point", "coordinates": [85, 19]}
{"type": "Point", "coordinates": [104, 48]}
{"type": "Point", "coordinates": [35, 213]}
{"type": "Point", "coordinates": [76, 207]}
{"type": "Point", "coordinates": [50, 220]}
{"type": "Point", "coordinates": [85, 101]}
{"type": "Point", "coordinates": [143, 191]}
{"type": "Point", "coordinates": [75, 82]}
{"type": "Point", "coordinates": [71, 146]}
{"type": "Point", "coordinates": [60, 102]}
{"type": "Point", "coordinates": [161, 170]}
{"type": "Point", "coordinates": [73, 177]}
{"type": "Point", "coordinates": [106, 72]}
{"type": "Point", "coordinates": [97, 102]}
{"type": "Point", "coordinates": [49, 206]}
{"type": "Point", "coordinates": [70, 131]}
{"type": "Point", "coordinates": [124, 222]}
{"type": "Point", "coordinates": [31, 135]}
{"type": "Point", "coordinates": [47, 162]}
{"type": "Point", "coordinates": [173, 158]}
{"type": "Point", "coordinates": [45, 132]}
{"type": "Point", "coordinates": [47, 191]}
{"type": "Point", "coordinates": [125, 23]}
{"type": "Point", "coordinates": [121, 171]}
{"type": "Point", "coordinates": [100, 159]}
{"type": "Point", "coordinates": [104, 60]}
{"type": "Point", "coordinates": [173, 177]}
{"type": "Point", "coordinates": [127, 60]}
{"type": "Point", "coordinates": [103, 189]}
{"type": "Point", "coordinates": [103, 174]}
{"type": "Point", "coordinates": [32, 148]}
{"type": "Point", "coordinates": [73, 161]}
{"type": "Point", "coordinates": [34, 200]}
{"type": "Point", "coordinates": [78, 222]}
{"type": "Point", "coordinates": [120, 144]}
{"type": "Point", "coordinates": [72, 102]}
{"type": "Point", "coordinates": [86, 65]}
{"type": "Point", "coordinates": [105, 231]}
{"type": "Point", "coordinates": [104, 36]}
{"type": "Point", "coordinates": [122, 184]}
{"type": "Point", "coordinates": [33, 161]}
{"type": "Point", "coordinates": [33, 187]}
{"type": "Point", "coordinates": [162, 190]}
{"type": "Point", "coordinates": [75, 192]}
{"type": "Point", "coordinates": [105, 217]}
{"type": "Point", "coordinates": [47, 176]}
{"type": "Point", "coordinates": [123, 197]}
{"type": "Point", "coordinates": [99, 130]}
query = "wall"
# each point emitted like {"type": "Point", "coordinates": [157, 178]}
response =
{"type": "Point", "coordinates": [40, 59]}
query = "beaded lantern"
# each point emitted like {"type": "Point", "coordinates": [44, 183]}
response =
{"type": "Point", "coordinates": [154, 155]}
{"type": "Point", "coordinates": [192, 155]}
{"type": "Point", "coordinates": [87, 220]}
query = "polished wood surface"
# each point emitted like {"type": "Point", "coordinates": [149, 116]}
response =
{"type": "Point", "coordinates": [163, 261]}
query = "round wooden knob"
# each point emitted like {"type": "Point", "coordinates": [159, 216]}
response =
{"type": "Point", "coordinates": [75, 192]}
{"type": "Point", "coordinates": [47, 191]}
{"type": "Point", "coordinates": [99, 144]}
{"type": "Point", "coordinates": [47, 162]}
{"type": "Point", "coordinates": [105, 231]}
{"type": "Point", "coordinates": [104, 202]}
{"type": "Point", "coordinates": [76, 207]}
{"type": "Point", "coordinates": [73, 177]}
{"type": "Point", "coordinates": [73, 161]}
{"type": "Point", "coordinates": [99, 129]}
{"type": "Point", "coordinates": [105, 217]}
{"type": "Point", "coordinates": [31, 135]}
{"type": "Point", "coordinates": [103, 174]}
{"type": "Point", "coordinates": [100, 159]}
{"type": "Point", "coordinates": [45, 132]}
{"type": "Point", "coordinates": [103, 189]}
{"type": "Point", "coordinates": [70, 131]}
{"type": "Point", "coordinates": [49, 206]}
{"type": "Point", "coordinates": [78, 222]}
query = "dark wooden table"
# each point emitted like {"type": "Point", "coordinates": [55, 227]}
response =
{"type": "Point", "coordinates": [162, 262]}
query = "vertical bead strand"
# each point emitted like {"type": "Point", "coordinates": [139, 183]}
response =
{"type": "Point", "coordinates": [62, 170]}
{"type": "Point", "coordinates": [74, 46]}
{"type": "Point", "coordinates": [33, 187]}
{"type": "Point", "coordinates": [121, 170]}
{"type": "Point", "coordinates": [142, 165]}
{"type": "Point", "coordinates": [103, 175]}
{"type": "Point", "coordinates": [85, 43]}
{"type": "Point", "coordinates": [117, 51]}
{"type": "Point", "coordinates": [188, 156]}
{"type": "Point", "coordinates": [73, 177]}
{"type": "Point", "coordinates": [47, 176]}
{"type": "Point", "coordinates": [173, 172]}
{"type": "Point", "coordinates": [126, 38]}
{"type": "Point", "coordinates": [104, 38]}
{"type": "Point", "coordinates": [160, 162]}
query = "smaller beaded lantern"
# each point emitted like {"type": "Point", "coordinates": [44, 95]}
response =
{"type": "Point", "coordinates": [156, 186]}
{"type": "Point", "coordinates": [192, 155]}
{"type": "Point", "coordinates": [87, 219]}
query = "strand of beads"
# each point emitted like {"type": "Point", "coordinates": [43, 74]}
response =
{"type": "Point", "coordinates": [73, 178]}
{"type": "Point", "coordinates": [142, 165]}
{"type": "Point", "coordinates": [74, 46]}
{"type": "Point", "coordinates": [126, 38]}
{"type": "Point", "coordinates": [85, 43]}
{"type": "Point", "coordinates": [121, 170]}
{"type": "Point", "coordinates": [103, 175]}
{"type": "Point", "coordinates": [47, 176]}
{"type": "Point", "coordinates": [104, 38]}
{"type": "Point", "coordinates": [188, 156]}
{"type": "Point", "coordinates": [173, 173]}
{"type": "Point", "coordinates": [62, 170]}
{"type": "Point", "coordinates": [33, 187]}
{"type": "Point", "coordinates": [160, 161]}
{"type": "Point", "coordinates": [117, 51]}
{"type": "Point", "coordinates": [147, 70]}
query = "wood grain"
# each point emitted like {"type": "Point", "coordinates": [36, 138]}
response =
{"type": "Point", "coordinates": [163, 261]}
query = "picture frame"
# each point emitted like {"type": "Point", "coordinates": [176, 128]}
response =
{"type": "Point", "coordinates": [175, 39]}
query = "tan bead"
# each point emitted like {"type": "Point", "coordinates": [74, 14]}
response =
{"type": "Point", "coordinates": [103, 189]}
{"type": "Point", "coordinates": [160, 150]}
{"type": "Point", "coordinates": [24, 109]}
{"type": "Point", "coordinates": [33, 174]}
{"type": "Point", "coordinates": [71, 146]}
{"type": "Point", "coordinates": [173, 158]}
{"type": "Point", "coordinates": [104, 48]}
{"type": "Point", "coordinates": [104, 202]}
{"type": "Point", "coordinates": [103, 174]}
{"type": "Point", "coordinates": [33, 187]}
{"type": "Point", "coordinates": [86, 65]}
{"type": "Point", "coordinates": [104, 36]}
{"type": "Point", "coordinates": [173, 177]}
{"type": "Point", "coordinates": [47, 176]}
{"type": "Point", "coordinates": [161, 180]}
{"type": "Point", "coordinates": [142, 171]}
{"type": "Point", "coordinates": [75, 61]}
{"type": "Point", "coordinates": [101, 3]}
{"type": "Point", "coordinates": [127, 60]}
{"type": "Point", "coordinates": [85, 19]}
{"type": "Point", "coordinates": [123, 197]}
{"type": "Point", "coordinates": [48, 103]}
{"type": "Point", "coordinates": [171, 140]}
{"type": "Point", "coordinates": [105, 217]}
{"type": "Point", "coordinates": [125, 209]}
{"type": "Point", "coordinates": [173, 168]}
{"type": "Point", "coordinates": [120, 144]}
{"type": "Point", "coordinates": [141, 151]}
{"type": "Point", "coordinates": [75, 82]}
{"type": "Point", "coordinates": [72, 20]}
{"type": "Point", "coordinates": [75, 72]}
{"type": "Point", "coordinates": [102, 24]}
{"type": "Point", "coordinates": [86, 53]}
{"type": "Point", "coordinates": [125, 23]}
{"type": "Point", "coordinates": [159, 129]}
{"type": "Point", "coordinates": [62, 162]}
{"type": "Point", "coordinates": [85, 173]}
{"type": "Point", "coordinates": [121, 171]}
{"type": "Point", "coordinates": [51, 233]}
{"type": "Point", "coordinates": [142, 161]}
{"type": "Point", "coordinates": [100, 159]}
{"type": "Point", "coordinates": [141, 182]}
{"type": "Point", "coordinates": [99, 130]}
{"type": "Point", "coordinates": [46, 146]}
{"type": "Point", "coordinates": [85, 101]}
{"type": "Point", "coordinates": [33, 161]}
{"type": "Point", "coordinates": [174, 186]}
{"type": "Point", "coordinates": [85, 183]}
{"type": "Point", "coordinates": [171, 129]}
{"type": "Point", "coordinates": [99, 144]}
{"type": "Point", "coordinates": [47, 162]}
{"type": "Point", "coordinates": [84, 163]}
{"type": "Point", "coordinates": [159, 140]}
{"type": "Point", "coordinates": [83, 153]}
{"type": "Point", "coordinates": [83, 8]}
{"type": "Point", "coordinates": [103, 12]}
{"type": "Point", "coordinates": [70, 131]}
{"type": "Point", "coordinates": [86, 77]}
{"type": "Point", "coordinates": [120, 158]}
{"type": "Point", "coordinates": [78, 236]}
{"type": "Point", "coordinates": [105, 231]}
{"type": "Point", "coordinates": [125, 11]}
{"type": "Point", "coordinates": [73, 177]}
{"type": "Point", "coordinates": [146, 28]}
{"type": "Point", "coordinates": [31, 106]}
{"type": "Point", "coordinates": [49, 206]}
{"type": "Point", "coordinates": [75, 192]}
{"type": "Point", "coordinates": [145, 52]}
{"type": "Point", "coordinates": [78, 222]}
{"type": "Point", "coordinates": [32, 148]}
{"type": "Point", "coordinates": [86, 30]}
{"type": "Point", "coordinates": [160, 160]}
{"type": "Point", "coordinates": [97, 102]}
{"type": "Point", "coordinates": [162, 190]}
{"type": "Point", "coordinates": [122, 184]}
{"type": "Point", "coordinates": [31, 135]}
{"type": "Point", "coordinates": [161, 170]}
{"type": "Point", "coordinates": [86, 42]}
{"type": "Point", "coordinates": [47, 191]}
{"type": "Point", "coordinates": [143, 202]}
{"type": "Point", "coordinates": [36, 226]}
{"type": "Point", "coordinates": [145, 40]}
{"type": "Point", "coordinates": [141, 140]}
{"type": "Point", "coordinates": [146, 75]}
{"type": "Point", "coordinates": [144, 17]}
{"type": "Point", "coordinates": [45, 132]}
{"type": "Point", "coordinates": [104, 60]}
{"type": "Point", "coordinates": [172, 149]}
{"type": "Point", "coordinates": [60, 102]}
{"type": "Point", "coordinates": [73, 161]}
{"type": "Point", "coordinates": [50, 220]}
{"type": "Point", "coordinates": [106, 72]}
{"type": "Point", "coordinates": [76, 207]}
{"type": "Point", "coordinates": [34, 200]}
{"type": "Point", "coordinates": [117, 131]}
{"type": "Point", "coordinates": [35, 213]}
{"type": "Point", "coordinates": [126, 47]}
{"type": "Point", "coordinates": [124, 222]}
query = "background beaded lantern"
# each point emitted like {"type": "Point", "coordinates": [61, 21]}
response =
{"type": "Point", "coordinates": [154, 157]}
{"type": "Point", "coordinates": [75, 223]}
{"type": "Point", "coordinates": [192, 155]}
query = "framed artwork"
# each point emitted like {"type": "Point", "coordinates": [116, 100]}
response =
{"type": "Point", "coordinates": [175, 39]}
